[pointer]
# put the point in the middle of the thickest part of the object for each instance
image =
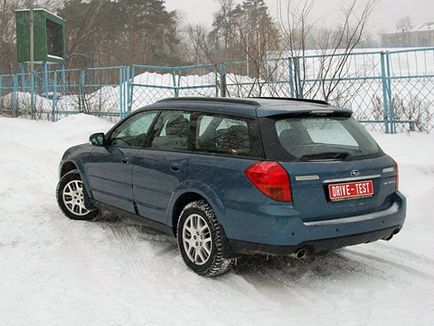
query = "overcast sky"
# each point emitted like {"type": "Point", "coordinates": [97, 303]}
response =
{"type": "Point", "coordinates": [384, 19]}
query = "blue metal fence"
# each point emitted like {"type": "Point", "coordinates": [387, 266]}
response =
{"type": "Point", "coordinates": [392, 91]}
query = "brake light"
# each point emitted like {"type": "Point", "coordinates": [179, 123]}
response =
{"type": "Point", "coordinates": [271, 179]}
{"type": "Point", "coordinates": [396, 176]}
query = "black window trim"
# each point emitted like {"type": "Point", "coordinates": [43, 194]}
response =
{"type": "Point", "coordinates": [151, 137]}
{"type": "Point", "coordinates": [109, 134]}
{"type": "Point", "coordinates": [191, 148]}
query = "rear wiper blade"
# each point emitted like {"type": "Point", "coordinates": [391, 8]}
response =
{"type": "Point", "coordinates": [325, 156]}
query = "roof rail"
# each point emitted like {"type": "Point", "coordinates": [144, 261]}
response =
{"type": "Point", "coordinates": [247, 101]}
{"type": "Point", "coordinates": [292, 99]}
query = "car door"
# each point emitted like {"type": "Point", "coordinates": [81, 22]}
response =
{"type": "Point", "coordinates": [110, 172]}
{"type": "Point", "coordinates": [162, 165]}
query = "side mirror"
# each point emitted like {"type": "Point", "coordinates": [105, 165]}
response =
{"type": "Point", "coordinates": [97, 139]}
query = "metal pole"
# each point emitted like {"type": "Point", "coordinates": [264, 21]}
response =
{"type": "Point", "coordinates": [23, 72]}
{"type": "Point", "coordinates": [131, 75]}
{"type": "Point", "coordinates": [1, 93]}
{"type": "Point", "coordinates": [299, 89]}
{"type": "Point", "coordinates": [247, 56]}
{"type": "Point", "coordinates": [223, 71]}
{"type": "Point", "coordinates": [46, 79]}
{"type": "Point", "coordinates": [32, 53]}
{"type": "Point", "coordinates": [175, 87]}
{"type": "Point", "coordinates": [385, 92]}
{"type": "Point", "coordinates": [81, 99]}
{"type": "Point", "coordinates": [15, 97]}
{"type": "Point", "coordinates": [54, 101]}
{"type": "Point", "coordinates": [63, 78]}
{"type": "Point", "coordinates": [121, 92]}
{"type": "Point", "coordinates": [389, 94]}
{"type": "Point", "coordinates": [291, 78]}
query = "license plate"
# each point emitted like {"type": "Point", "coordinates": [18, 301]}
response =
{"type": "Point", "coordinates": [351, 190]}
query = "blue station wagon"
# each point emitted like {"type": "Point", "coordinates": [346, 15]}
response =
{"type": "Point", "coordinates": [229, 177]}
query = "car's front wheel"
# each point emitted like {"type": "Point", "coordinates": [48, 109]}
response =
{"type": "Point", "coordinates": [200, 240]}
{"type": "Point", "coordinates": [71, 197]}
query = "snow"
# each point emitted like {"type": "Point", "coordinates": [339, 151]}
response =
{"type": "Point", "coordinates": [54, 271]}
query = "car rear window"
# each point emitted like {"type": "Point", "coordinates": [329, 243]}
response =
{"type": "Point", "coordinates": [324, 138]}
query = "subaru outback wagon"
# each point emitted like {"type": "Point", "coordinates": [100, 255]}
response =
{"type": "Point", "coordinates": [229, 177]}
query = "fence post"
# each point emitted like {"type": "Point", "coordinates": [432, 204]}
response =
{"type": "Point", "coordinates": [125, 90]}
{"type": "Point", "coordinates": [15, 97]}
{"type": "Point", "coordinates": [45, 84]}
{"type": "Point", "coordinates": [23, 76]}
{"type": "Point", "coordinates": [412, 126]}
{"type": "Point", "coordinates": [62, 71]}
{"type": "Point", "coordinates": [81, 101]}
{"type": "Point", "coordinates": [131, 75]}
{"type": "Point", "coordinates": [385, 92]}
{"type": "Point", "coordinates": [54, 100]}
{"type": "Point", "coordinates": [222, 71]}
{"type": "Point", "coordinates": [1, 93]}
{"type": "Point", "coordinates": [32, 95]}
{"type": "Point", "coordinates": [121, 92]}
{"type": "Point", "coordinates": [389, 84]}
{"type": "Point", "coordinates": [291, 77]}
{"type": "Point", "coordinates": [299, 91]}
{"type": "Point", "coordinates": [175, 86]}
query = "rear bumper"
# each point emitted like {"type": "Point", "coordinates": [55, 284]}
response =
{"type": "Point", "coordinates": [312, 247]}
{"type": "Point", "coordinates": [283, 236]}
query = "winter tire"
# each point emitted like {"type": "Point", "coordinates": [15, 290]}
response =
{"type": "Point", "coordinates": [199, 240]}
{"type": "Point", "coordinates": [71, 198]}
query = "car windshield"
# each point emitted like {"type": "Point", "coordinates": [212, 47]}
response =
{"type": "Point", "coordinates": [325, 138]}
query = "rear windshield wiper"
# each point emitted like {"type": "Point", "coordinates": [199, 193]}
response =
{"type": "Point", "coordinates": [325, 156]}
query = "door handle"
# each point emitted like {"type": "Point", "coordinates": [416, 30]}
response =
{"type": "Point", "coordinates": [175, 167]}
{"type": "Point", "coordinates": [125, 160]}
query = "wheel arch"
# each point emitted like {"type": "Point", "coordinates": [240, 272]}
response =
{"type": "Point", "coordinates": [66, 167]}
{"type": "Point", "coordinates": [192, 192]}
{"type": "Point", "coordinates": [69, 166]}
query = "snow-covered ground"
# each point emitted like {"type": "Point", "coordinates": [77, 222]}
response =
{"type": "Point", "coordinates": [54, 271]}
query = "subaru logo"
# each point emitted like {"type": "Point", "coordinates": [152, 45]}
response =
{"type": "Point", "coordinates": [355, 173]}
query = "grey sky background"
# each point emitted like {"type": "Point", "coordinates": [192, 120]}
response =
{"type": "Point", "coordinates": [383, 20]}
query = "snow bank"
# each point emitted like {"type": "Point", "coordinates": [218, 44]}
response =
{"type": "Point", "coordinates": [57, 272]}
{"type": "Point", "coordinates": [54, 137]}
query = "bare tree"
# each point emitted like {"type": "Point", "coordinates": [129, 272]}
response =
{"type": "Point", "coordinates": [197, 47]}
{"type": "Point", "coordinates": [334, 46]}
{"type": "Point", "coordinates": [7, 35]}
{"type": "Point", "coordinates": [404, 24]}
{"type": "Point", "coordinates": [245, 32]}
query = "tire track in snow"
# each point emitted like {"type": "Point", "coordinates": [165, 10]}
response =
{"type": "Point", "coordinates": [387, 263]}
{"type": "Point", "coordinates": [126, 243]}
{"type": "Point", "coordinates": [132, 238]}
{"type": "Point", "coordinates": [405, 255]}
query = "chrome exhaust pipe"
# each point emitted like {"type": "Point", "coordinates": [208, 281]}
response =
{"type": "Point", "coordinates": [389, 237]}
{"type": "Point", "coordinates": [300, 253]}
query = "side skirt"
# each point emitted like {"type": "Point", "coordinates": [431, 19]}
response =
{"type": "Point", "coordinates": [138, 219]}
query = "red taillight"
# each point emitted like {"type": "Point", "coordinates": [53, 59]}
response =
{"type": "Point", "coordinates": [272, 179]}
{"type": "Point", "coordinates": [396, 176]}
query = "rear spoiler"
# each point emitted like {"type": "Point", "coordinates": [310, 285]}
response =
{"type": "Point", "coordinates": [311, 112]}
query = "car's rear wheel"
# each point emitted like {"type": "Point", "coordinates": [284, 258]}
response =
{"type": "Point", "coordinates": [200, 240]}
{"type": "Point", "coordinates": [72, 198]}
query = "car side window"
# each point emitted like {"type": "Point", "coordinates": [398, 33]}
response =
{"type": "Point", "coordinates": [134, 131]}
{"type": "Point", "coordinates": [171, 131]}
{"type": "Point", "coordinates": [227, 135]}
